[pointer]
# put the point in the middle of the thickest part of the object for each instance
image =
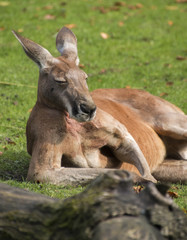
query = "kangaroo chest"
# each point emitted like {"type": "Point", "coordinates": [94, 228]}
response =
{"type": "Point", "coordinates": [82, 144]}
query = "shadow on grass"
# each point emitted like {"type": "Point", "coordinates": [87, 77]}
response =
{"type": "Point", "coordinates": [14, 165]}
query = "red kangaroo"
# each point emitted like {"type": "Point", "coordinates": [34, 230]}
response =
{"type": "Point", "coordinates": [71, 129]}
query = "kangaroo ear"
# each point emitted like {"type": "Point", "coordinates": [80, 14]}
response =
{"type": "Point", "coordinates": [37, 53]}
{"type": "Point", "coordinates": [66, 43]}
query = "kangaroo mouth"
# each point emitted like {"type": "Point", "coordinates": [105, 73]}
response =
{"type": "Point", "coordinates": [81, 113]}
{"type": "Point", "coordinates": [85, 113]}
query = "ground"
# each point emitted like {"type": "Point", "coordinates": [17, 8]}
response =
{"type": "Point", "coordinates": [132, 44]}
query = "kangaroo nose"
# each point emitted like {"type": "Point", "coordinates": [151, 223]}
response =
{"type": "Point", "coordinates": [87, 109]}
{"type": "Point", "coordinates": [84, 108]}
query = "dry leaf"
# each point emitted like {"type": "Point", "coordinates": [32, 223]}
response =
{"type": "Point", "coordinates": [63, 3]}
{"type": "Point", "coordinates": [174, 187]}
{"type": "Point", "coordinates": [9, 141]}
{"type": "Point", "coordinates": [168, 65]}
{"type": "Point", "coordinates": [181, 1]}
{"type": "Point", "coordinates": [134, 7]}
{"type": "Point", "coordinates": [170, 23]}
{"type": "Point", "coordinates": [119, 4]}
{"type": "Point", "coordinates": [101, 9]}
{"type": "Point", "coordinates": [48, 7]}
{"type": "Point", "coordinates": [138, 189]}
{"type": "Point", "coordinates": [49, 17]}
{"type": "Point", "coordinates": [15, 103]}
{"type": "Point", "coordinates": [114, 8]}
{"type": "Point", "coordinates": [184, 210]}
{"type": "Point", "coordinates": [1, 153]}
{"type": "Point", "coordinates": [30, 110]}
{"type": "Point", "coordinates": [104, 35]}
{"type": "Point", "coordinates": [2, 28]}
{"type": "Point", "coordinates": [81, 65]}
{"type": "Point", "coordinates": [70, 26]}
{"type": "Point", "coordinates": [163, 94]}
{"type": "Point", "coordinates": [5, 148]}
{"type": "Point", "coordinates": [139, 5]}
{"type": "Point", "coordinates": [4, 3]}
{"type": "Point", "coordinates": [181, 58]}
{"type": "Point", "coordinates": [121, 23]}
{"type": "Point", "coordinates": [173, 194]}
{"type": "Point", "coordinates": [20, 30]}
{"type": "Point", "coordinates": [153, 7]}
{"type": "Point", "coordinates": [169, 83]}
{"type": "Point", "coordinates": [102, 71]}
{"type": "Point", "coordinates": [128, 86]}
{"type": "Point", "coordinates": [172, 8]}
{"type": "Point", "coordinates": [24, 9]}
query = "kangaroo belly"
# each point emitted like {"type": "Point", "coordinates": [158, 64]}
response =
{"type": "Point", "coordinates": [149, 142]}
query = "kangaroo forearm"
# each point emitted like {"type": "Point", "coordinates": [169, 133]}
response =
{"type": "Point", "coordinates": [77, 176]}
{"type": "Point", "coordinates": [70, 176]}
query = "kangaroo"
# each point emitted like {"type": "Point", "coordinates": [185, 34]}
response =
{"type": "Point", "coordinates": [70, 128]}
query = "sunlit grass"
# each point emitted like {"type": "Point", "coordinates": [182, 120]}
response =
{"type": "Point", "coordinates": [141, 52]}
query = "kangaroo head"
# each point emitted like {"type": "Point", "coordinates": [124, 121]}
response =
{"type": "Point", "coordinates": [62, 84]}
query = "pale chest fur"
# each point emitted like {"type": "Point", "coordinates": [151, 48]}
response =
{"type": "Point", "coordinates": [82, 143]}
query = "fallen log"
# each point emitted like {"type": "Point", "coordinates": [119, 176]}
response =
{"type": "Point", "coordinates": [107, 209]}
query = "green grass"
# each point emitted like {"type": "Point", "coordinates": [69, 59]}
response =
{"type": "Point", "coordinates": [141, 54]}
{"type": "Point", "coordinates": [47, 189]}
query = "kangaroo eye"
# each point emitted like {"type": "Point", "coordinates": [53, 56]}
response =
{"type": "Point", "coordinates": [60, 80]}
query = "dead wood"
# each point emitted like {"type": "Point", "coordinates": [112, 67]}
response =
{"type": "Point", "coordinates": [107, 209]}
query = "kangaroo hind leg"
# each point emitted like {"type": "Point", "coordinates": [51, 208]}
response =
{"type": "Point", "coordinates": [175, 148]}
{"type": "Point", "coordinates": [173, 125]}
{"type": "Point", "coordinates": [173, 171]}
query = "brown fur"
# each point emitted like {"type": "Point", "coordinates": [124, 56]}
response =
{"type": "Point", "coordinates": [148, 141]}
